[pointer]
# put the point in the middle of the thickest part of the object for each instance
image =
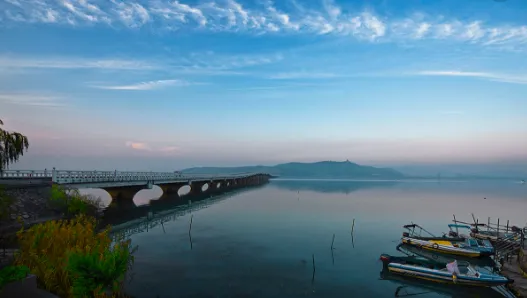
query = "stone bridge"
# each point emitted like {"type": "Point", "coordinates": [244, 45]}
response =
{"type": "Point", "coordinates": [122, 186]}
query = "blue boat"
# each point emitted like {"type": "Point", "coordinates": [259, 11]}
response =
{"type": "Point", "coordinates": [407, 287]}
{"type": "Point", "coordinates": [482, 245]}
{"type": "Point", "coordinates": [462, 274]}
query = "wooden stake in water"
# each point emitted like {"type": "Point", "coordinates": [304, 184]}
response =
{"type": "Point", "coordinates": [189, 230]}
{"type": "Point", "coordinates": [313, 277]}
{"type": "Point", "coordinates": [332, 241]}
{"type": "Point", "coordinates": [352, 226]}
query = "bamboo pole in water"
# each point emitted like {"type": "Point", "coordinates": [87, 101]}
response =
{"type": "Point", "coordinates": [455, 222]}
{"type": "Point", "coordinates": [332, 241]}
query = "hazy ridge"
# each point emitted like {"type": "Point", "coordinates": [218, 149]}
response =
{"type": "Point", "coordinates": [323, 169]}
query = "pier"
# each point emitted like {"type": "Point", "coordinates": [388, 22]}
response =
{"type": "Point", "coordinates": [510, 248]}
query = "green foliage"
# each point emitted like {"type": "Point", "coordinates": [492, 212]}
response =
{"type": "Point", "coordinates": [73, 202]}
{"type": "Point", "coordinates": [94, 273]}
{"type": "Point", "coordinates": [5, 204]}
{"type": "Point", "coordinates": [48, 248]}
{"type": "Point", "coordinates": [12, 146]}
{"type": "Point", "coordinates": [12, 273]}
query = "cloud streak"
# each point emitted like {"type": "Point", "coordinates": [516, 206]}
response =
{"type": "Point", "coordinates": [34, 100]}
{"type": "Point", "coordinates": [497, 77]}
{"type": "Point", "coordinates": [7, 61]}
{"type": "Point", "coordinates": [149, 85]}
{"type": "Point", "coordinates": [304, 75]}
{"type": "Point", "coordinates": [265, 18]}
{"type": "Point", "coordinates": [146, 147]}
{"type": "Point", "coordinates": [206, 63]}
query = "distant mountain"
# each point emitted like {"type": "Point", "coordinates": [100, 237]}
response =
{"type": "Point", "coordinates": [323, 169]}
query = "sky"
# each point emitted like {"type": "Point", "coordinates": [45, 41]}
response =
{"type": "Point", "coordinates": [163, 85]}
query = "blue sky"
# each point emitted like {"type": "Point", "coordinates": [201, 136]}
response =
{"type": "Point", "coordinates": [166, 84]}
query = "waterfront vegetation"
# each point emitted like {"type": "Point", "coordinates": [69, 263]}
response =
{"type": "Point", "coordinates": [71, 259]}
{"type": "Point", "coordinates": [72, 203]}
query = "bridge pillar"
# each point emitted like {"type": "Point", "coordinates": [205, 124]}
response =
{"type": "Point", "coordinates": [123, 196]}
{"type": "Point", "coordinates": [170, 189]}
{"type": "Point", "coordinates": [214, 189]}
{"type": "Point", "coordinates": [229, 184]}
{"type": "Point", "coordinates": [196, 190]}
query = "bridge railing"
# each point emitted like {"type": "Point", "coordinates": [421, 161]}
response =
{"type": "Point", "coordinates": [20, 174]}
{"type": "Point", "coordinates": [70, 177]}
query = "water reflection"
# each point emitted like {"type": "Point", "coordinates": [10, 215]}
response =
{"type": "Point", "coordinates": [260, 242]}
{"type": "Point", "coordinates": [330, 186]}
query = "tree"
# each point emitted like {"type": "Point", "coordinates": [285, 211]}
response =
{"type": "Point", "coordinates": [12, 146]}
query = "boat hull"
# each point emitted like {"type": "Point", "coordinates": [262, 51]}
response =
{"type": "Point", "coordinates": [443, 276]}
{"type": "Point", "coordinates": [443, 248]}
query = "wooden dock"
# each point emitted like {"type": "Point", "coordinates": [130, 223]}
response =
{"type": "Point", "coordinates": [516, 268]}
{"type": "Point", "coordinates": [510, 250]}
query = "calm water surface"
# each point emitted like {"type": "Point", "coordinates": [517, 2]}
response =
{"type": "Point", "coordinates": [260, 243]}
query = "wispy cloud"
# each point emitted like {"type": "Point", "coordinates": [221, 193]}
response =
{"type": "Point", "coordinates": [264, 18]}
{"type": "Point", "coordinates": [303, 75]}
{"type": "Point", "coordinates": [7, 61]}
{"type": "Point", "coordinates": [498, 77]}
{"type": "Point", "coordinates": [138, 146]}
{"type": "Point", "coordinates": [27, 99]}
{"type": "Point", "coordinates": [207, 63]}
{"type": "Point", "coordinates": [142, 146]}
{"type": "Point", "coordinates": [147, 85]}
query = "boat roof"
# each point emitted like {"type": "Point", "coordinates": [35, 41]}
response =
{"type": "Point", "coordinates": [458, 226]}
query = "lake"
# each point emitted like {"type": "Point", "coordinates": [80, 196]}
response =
{"type": "Point", "coordinates": [261, 242]}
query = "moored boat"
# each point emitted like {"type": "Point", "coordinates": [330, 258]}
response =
{"type": "Point", "coordinates": [462, 274]}
{"type": "Point", "coordinates": [460, 246]}
{"type": "Point", "coordinates": [444, 259]}
{"type": "Point", "coordinates": [407, 287]}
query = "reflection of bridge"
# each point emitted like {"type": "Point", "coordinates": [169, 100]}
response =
{"type": "Point", "coordinates": [122, 186]}
{"type": "Point", "coordinates": [153, 219]}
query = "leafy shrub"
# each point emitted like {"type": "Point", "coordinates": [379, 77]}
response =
{"type": "Point", "coordinates": [73, 203]}
{"type": "Point", "coordinates": [94, 273]}
{"type": "Point", "coordinates": [12, 273]}
{"type": "Point", "coordinates": [47, 248]}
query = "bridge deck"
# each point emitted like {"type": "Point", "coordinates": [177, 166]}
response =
{"type": "Point", "coordinates": [94, 179]}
